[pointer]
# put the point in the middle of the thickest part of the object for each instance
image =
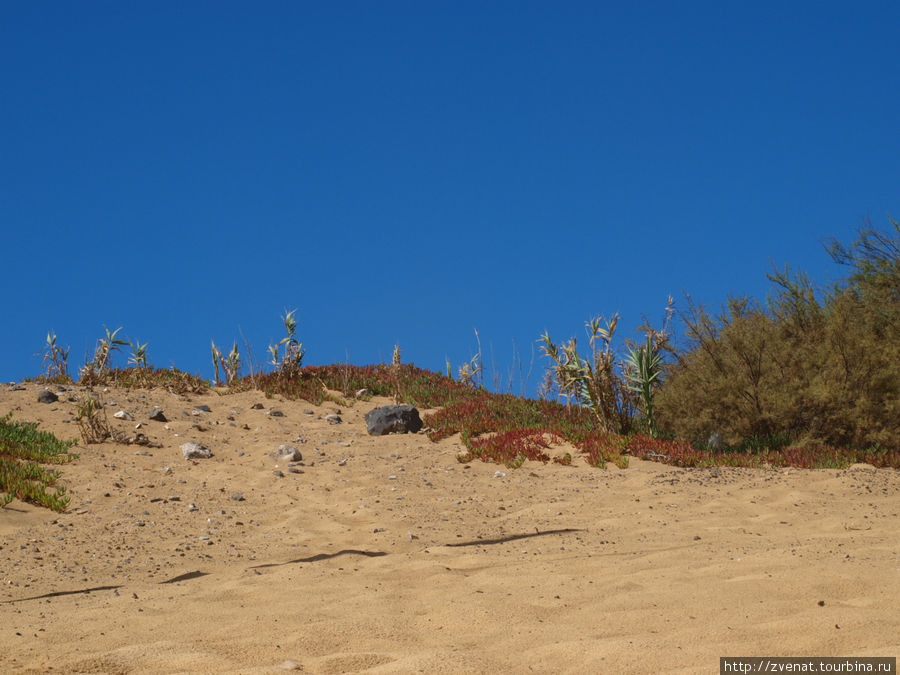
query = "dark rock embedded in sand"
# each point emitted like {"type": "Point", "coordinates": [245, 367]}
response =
{"type": "Point", "coordinates": [157, 415]}
{"type": "Point", "coordinates": [47, 396]}
{"type": "Point", "coordinates": [393, 419]}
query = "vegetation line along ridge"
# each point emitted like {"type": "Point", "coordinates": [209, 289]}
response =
{"type": "Point", "coordinates": [808, 378]}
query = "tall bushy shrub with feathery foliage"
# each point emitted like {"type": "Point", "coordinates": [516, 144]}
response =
{"type": "Point", "coordinates": [809, 363]}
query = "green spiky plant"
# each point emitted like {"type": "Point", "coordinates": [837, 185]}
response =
{"type": "Point", "coordinates": [138, 357]}
{"type": "Point", "coordinates": [95, 370]}
{"type": "Point", "coordinates": [644, 367]}
{"type": "Point", "coordinates": [54, 359]}
{"type": "Point", "coordinates": [287, 355]}
{"type": "Point", "coordinates": [643, 370]}
{"type": "Point", "coordinates": [593, 381]}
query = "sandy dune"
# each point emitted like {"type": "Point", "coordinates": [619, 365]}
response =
{"type": "Point", "coordinates": [386, 555]}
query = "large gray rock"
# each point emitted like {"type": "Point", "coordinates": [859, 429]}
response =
{"type": "Point", "coordinates": [393, 419]}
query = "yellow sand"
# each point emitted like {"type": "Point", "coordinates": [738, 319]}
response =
{"type": "Point", "coordinates": [651, 569]}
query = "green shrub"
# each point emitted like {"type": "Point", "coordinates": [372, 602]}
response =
{"type": "Point", "coordinates": [810, 364]}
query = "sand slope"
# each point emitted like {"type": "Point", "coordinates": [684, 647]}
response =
{"type": "Point", "coordinates": [400, 559]}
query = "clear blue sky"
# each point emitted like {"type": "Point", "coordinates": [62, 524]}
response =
{"type": "Point", "coordinates": [406, 171]}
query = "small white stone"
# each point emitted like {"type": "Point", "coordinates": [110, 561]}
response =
{"type": "Point", "coordinates": [193, 450]}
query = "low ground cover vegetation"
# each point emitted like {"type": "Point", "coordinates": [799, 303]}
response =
{"type": "Point", "coordinates": [23, 449]}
